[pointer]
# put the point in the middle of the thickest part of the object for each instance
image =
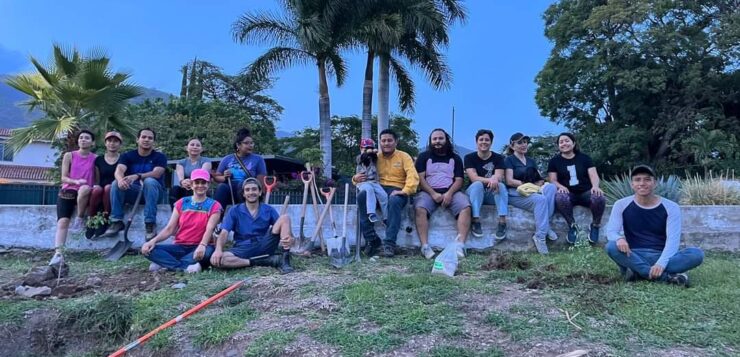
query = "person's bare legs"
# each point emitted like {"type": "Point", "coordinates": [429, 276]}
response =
{"type": "Point", "coordinates": [229, 260]}
{"type": "Point", "coordinates": [61, 235]}
{"type": "Point", "coordinates": [281, 227]}
{"type": "Point", "coordinates": [463, 224]}
{"type": "Point", "coordinates": [83, 198]}
{"type": "Point", "coordinates": [422, 225]}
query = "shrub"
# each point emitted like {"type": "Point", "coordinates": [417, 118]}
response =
{"type": "Point", "coordinates": [710, 191]}
{"type": "Point", "coordinates": [621, 187]}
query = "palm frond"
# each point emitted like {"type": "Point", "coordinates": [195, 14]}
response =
{"type": "Point", "coordinates": [406, 91]}
{"type": "Point", "coordinates": [51, 77]}
{"type": "Point", "coordinates": [49, 129]}
{"type": "Point", "coordinates": [454, 10]}
{"type": "Point", "coordinates": [336, 67]}
{"type": "Point", "coordinates": [264, 29]}
{"type": "Point", "coordinates": [66, 59]}
{"type": "Point", "coordinates": [275, 59]}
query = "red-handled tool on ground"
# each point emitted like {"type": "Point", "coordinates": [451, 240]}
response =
{"type": "Point", "coordinates": [306, 177]}
{"type": "Point", "coordinates": [183, 316]}
{"type": "Point", "coordinates": [270, 182]}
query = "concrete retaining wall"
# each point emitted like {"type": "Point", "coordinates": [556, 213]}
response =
{"type": "Point", "coordinates": [709, 227]}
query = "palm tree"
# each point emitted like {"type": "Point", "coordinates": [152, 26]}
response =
{"type": "Point", "coordinates": [75, 92]}
{"type": "Point", "coordinates": [709, 145]}
{"type": "Point", "coordinates": [309, 31]}
{"type": "Point", "coordinates": [417, 29]}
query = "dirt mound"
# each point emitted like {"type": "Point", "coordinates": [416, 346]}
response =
{"type": "Point", "coordinates": [570, 280]}
{"type": "Point", "coordinates": [505, 261]}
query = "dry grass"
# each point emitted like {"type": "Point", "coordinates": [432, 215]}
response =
{"type": "Point", "coordinates": [710, 190]}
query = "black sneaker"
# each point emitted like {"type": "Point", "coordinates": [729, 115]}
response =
{"type": "Point", "coordinates": [150, 230]}
{"type": "Point", "coordinates": [629, 275]}
{"type": "Point", "coordinates": [593, 234]}
{"type": "Point", "coordinates": [114, 228]}
{"type": "Point", "coordinates": [476, 229]}
{"type": "Point", "coordinates": [573, 234]}
{"type": "Point", "coordinates": [681, 279]}
{"type": "Point", "coordinates": [501, 231]}
{"type": "Point", "coordinates": [285, 267]}
{"type": "Point", "coordinates": [371, 247]}
{"type": "Point", "coordinates": [388, 251]}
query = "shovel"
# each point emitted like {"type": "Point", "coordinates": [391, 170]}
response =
{"type": "Point", "coordinates": [304, 246]}
{"type": "Point", "coordinates": [121, 247]}
{"type": "Point", "coordinates": [306, 178]}
{"type": "Point", "coordinates": [339, 255]}
{"type": "Point", "coordinates": [269, 182]}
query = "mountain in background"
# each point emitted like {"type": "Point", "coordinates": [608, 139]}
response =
{"type": "Point", "coordinates": [12, 115]}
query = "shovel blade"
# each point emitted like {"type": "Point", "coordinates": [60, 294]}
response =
{"type": "Point", "coordinates": [339, 254]}
{"type": "Point", "coordinates": [118, 250]}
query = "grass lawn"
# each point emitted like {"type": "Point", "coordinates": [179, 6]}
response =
{"type": "Point", "coordinates": [518, 306]}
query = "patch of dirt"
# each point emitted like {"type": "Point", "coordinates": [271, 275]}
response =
{"type": "Point", "coordinates": [128, 281]}
{"type": "Point", "coordinates": [505, 261]}
{"type": "Point", "coordinates": [542, 282]}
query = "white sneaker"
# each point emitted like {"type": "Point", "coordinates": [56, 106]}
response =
{"type": "Point", "coordinates": [154, 267]}
{"type": "Point", "coordinates": [541, 245]}
{"type": "Point", "coordinates": [77, 225]}
{"type": "Point", "coordinates": [193, 268]}
{"type": "Point", "coordinates": [551, 235]}
{"type": "Point", "coordinates": [56, 259]}
{"type": "Point", "coordinates": [427, 251]}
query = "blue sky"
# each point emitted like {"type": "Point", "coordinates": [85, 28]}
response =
{"type": "Point", "coordinates": [494, 57]}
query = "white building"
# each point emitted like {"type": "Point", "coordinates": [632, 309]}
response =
{"type": "Point", "coordinates": [30, 165]}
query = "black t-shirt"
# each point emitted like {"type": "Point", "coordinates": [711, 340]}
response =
{"type": "Point", "coordinates": [107, 171]}
{"type": "Point", "coordinates": [484, 168]}
{"type": "Point", "coordinates": [137, 164]}
{"type": "Point", "coordinates": [572, 173]}
{"type": "Point", "coordinates": [527, 173]}
{"type": "Point", "coordinates": [440, 171]}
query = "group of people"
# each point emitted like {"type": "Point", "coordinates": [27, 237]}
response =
{"type": "Point", "coordinates": [643, 230]}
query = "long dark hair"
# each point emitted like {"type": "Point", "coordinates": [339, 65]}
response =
{"type": "Point", "coordinates": [572, 138]}
{"type": "Point", "coordinates": [241, 134]}
{"type": "Point", "coordinates": [449, 147]}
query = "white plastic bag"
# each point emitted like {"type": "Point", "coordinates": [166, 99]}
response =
{"type": "Point", "coordinates": [446, 262]}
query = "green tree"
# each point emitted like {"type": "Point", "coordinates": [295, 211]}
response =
{"type": "Point", "coordinates": [75, 91]}
{"type": "Point", "coordinates": [635, 79]}
{"type": "Point", "coordinates": [308, 31]}
{"type": "Point", "coordinates": [710, 146]}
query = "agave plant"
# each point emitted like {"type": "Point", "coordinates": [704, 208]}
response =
{"type": "Point", "coordinates": [710, 190]}
{"type": "Point", "coordinates": [621, 186]}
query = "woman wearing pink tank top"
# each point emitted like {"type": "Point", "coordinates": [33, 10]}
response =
{"type": "Point", "coordinates": [78, 176]}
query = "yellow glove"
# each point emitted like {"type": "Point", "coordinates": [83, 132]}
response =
{"type": "Point", "coordinates": [528, 189]}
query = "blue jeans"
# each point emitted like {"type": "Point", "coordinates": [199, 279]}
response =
{"type": "Point", "coordinates": [177, 256]}
{"type": "Point", "coordinates": [479, 196]}
{"type": "Point", "coordinates": [641, 260]}
{"type": "Point", "coordinates": [541, 204]}
{"type": "Point", "coordinates": [395, 208]}
{"type": "Point", "coordinates": [119, 197]}
{"type": "Point", "coordinates": [223, 194]}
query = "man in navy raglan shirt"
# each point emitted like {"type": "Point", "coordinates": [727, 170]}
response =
{"type": "Point", "coordinates": [143, 164]}
{"type": "Point", "coordinates": [644, 233]}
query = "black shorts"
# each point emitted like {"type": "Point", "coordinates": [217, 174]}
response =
{"type": "Point", "coordinates": [66, 206]}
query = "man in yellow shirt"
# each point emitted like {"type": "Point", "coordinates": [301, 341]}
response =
{"type": "Point", "coordinates": [399, 178]}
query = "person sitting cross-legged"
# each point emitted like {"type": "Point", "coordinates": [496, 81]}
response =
{"type": "Point", "coordinates": [644, 233]}
{"type": "Point", "coordinates": [258, 232]}
{"type": "Point", "coordinates": [192, 222]}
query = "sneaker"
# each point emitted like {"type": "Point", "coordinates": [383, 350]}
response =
{"type": "Point", "coordinates": [427, 251]}
{"type": "Point", "coordinates": [551, 235]}
{"type": "Point", "coordinates": [193, 268]}
{"type": "Point", "coordinates": [56, 259]}
{"type": "Point", "coordinates": [460, 252]}
{"type": "Point", "coordinates": [150, 231]}
{"type": "Point", "coordinates": [681, 279]}
{"type": "Point", "coordinates": [388, 251]}
{"type": "Point", "coordinates": [476, 229]}
{"type": "Point", "coordinates": [100, 231]}
{"type": "Point", "coordinates": [501, 231]}
{"type": "Point", "coordinates": [371, 247]}
{"type": "Point", "coordinates": [285, 267]}
{"type": "Point", "coordinates": [372, 217]}
{"type": "Point", "coordinates": [114, 228]}
{"type": "Point", "coordinates": [154, 267]}
{"type": "Point", "coordinates": [593, 235]}
{"type": "Point", "coordinates": [76, 226]}
{"type": "Point", "coordinates": [573, 234]}
{"type": "Point", "coordinates": [541, 245]}
{"type": "Point", "coordinates": [629, 275]}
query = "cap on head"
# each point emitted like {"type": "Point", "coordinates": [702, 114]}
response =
{"type": "Point", "coordinates": [113, 134]}
{"type": "Point", "coordinates": [367, 143]}
{"type": "Point", "coordinates": [252, 180]}
{"type": "Point", "coordinates": [517, 137]}
{"type": "Point", "coordinates": [200, 174]}
{"type": "Point", "coordinates": [642, 169]}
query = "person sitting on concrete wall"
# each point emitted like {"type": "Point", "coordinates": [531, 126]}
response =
{"type": "Point", "coordinates": [575, 176]}
{"type": "Point", "coordinates": [237, 167]}
{"type": "Point", "coordinates": [144, 164]}
{"type": "Point", "coordinates": [521, 173]}
{"type": "Point", "coordinates": [182, 185]}
{"type": "Point", "coordinates": [400, 180]}
{"type": "Point", "coordinates": [644, 233]}
{"type": "Point", "coordinates": [105, 169]}
{"type": "Point", "coordinates": [78, 176]}
{"type": "Point", "coordinates": [259, 231]}
{"type": "Point", "coordinates": [440, 178]}
{"type": "Point", "coordinates": [486, 171]}
{"type": "Point", "coordinates": [192, 222]}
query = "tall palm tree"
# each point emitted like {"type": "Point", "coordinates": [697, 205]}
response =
{"type": "Point", "coordinates": [418, 28]}
{"type": "Point", "coordinates": [308, 31]}
{"type": "Point", "coordinates": [74, 92]}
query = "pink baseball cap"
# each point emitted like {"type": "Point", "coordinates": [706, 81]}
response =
{"type": "Point", "coordinates": [367, 143]}
{"type": "Point", "coordinates": [200, 174]}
